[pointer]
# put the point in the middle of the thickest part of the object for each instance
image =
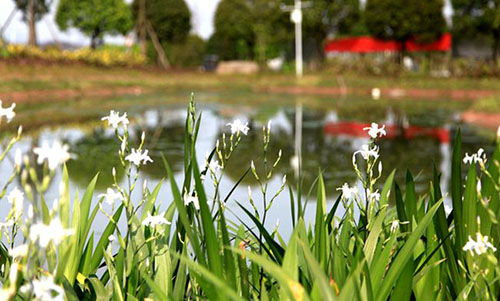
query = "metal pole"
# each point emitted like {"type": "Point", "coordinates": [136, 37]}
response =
{"type": "Point", "coordinates": [298, 138]}
{"type": "Point", "coordinates": [298, 38]}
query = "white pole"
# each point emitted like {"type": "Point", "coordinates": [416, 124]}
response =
{"type": "Point", "coordinates": [298, 38]}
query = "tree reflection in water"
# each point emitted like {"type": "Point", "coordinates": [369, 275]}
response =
{"type": "Point", "coordinates": [332, 153]}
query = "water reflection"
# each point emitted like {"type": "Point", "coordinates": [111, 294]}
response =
{"type": "Point", "coordinates": [418, 139]}
{"type": "Point", "coordinates": [328, 142]}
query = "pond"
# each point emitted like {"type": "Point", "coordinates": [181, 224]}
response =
{"type": "Point", "coordinates": [420, 136]}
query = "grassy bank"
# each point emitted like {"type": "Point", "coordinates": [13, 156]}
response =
{"type": "Point", "coordinates": [25, 77]}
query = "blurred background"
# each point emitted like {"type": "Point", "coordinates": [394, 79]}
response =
{"type": "Point", "coordinates": [320, 70]}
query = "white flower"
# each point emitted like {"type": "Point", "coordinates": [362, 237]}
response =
{"type": "Point", "coordinates": [7, 112]}
{"type": "Point", "coordinates": [394, 226]}
{"type": "Point", "coordinates": [26, 288]}
{"type": "Point", "coordinates": [374, 196]}
{"type": "Point", "coordinates": [348, 193]}
{"type": "Point", "coordinates": [480, 246]}
{"type": "Point", "coordinates": [45, 289]}
{"type": "Point", "coordinates": [237, 126]}
{"type": "Point", "coordinates": [189, 198]}
{"type": "Point", "coordinates": [44, 234]}
{"type": "Point", "coordinates": [155, 220]}
{"type": "Point", "coordinates": [111, 196]}
{"type": "Point", "coordinates": [367, 152]}
{"type": "Point", "coordinates": [137, 157]}
{"type": "Point", "coordinates": [374, 131]}
{"type": "Point", "coordinates": [19, 251]}
{"type": "Point", "coordinates": [479, 157]}
{"type": "Point", "coordinates": [114, 119]}
{"type": "Point", "coordinates": [55, 155]}
{"type": "Point", "coordinates": [111, 238]}
{"type": "Point", "coordinates": [16, 198]}
{"type": "Point", "coordinates": [8, 223]}
{"type": "Point", "coordinates": [213, 165]}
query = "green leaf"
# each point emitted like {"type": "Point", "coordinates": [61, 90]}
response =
{"type": "Point", "coordinates": [104, 241]}
{"type": "Point", "coordinates": [456, 191]}
{"type": "Point", "coordinates": [405, 254]}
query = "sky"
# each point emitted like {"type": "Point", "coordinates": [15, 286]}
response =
{"type": "Point", "coordinates": [202, 15]}
{"type": "Point", "coordinates": [202, 20]}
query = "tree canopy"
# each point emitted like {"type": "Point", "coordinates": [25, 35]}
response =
{"type": "Point", "coordinates": [477, 18]}
{"type": "Point", "coordinates": [170, 19]}
{"type": "Point", "coordinates": [233, 36]}
{"type": "Point", "coordinates": [33, 11]}
{"type": "Point", "coordinates": [401, 20]}
{"type": "Point", "coordinates": [95, 17]}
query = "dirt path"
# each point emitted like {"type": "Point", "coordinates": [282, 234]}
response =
{"type": "Point", "coordinates": [482, 119]}
{"type": "Point", "coordinates": [38, 96]}
{"type": "Point", "coordinates": [427, 94]}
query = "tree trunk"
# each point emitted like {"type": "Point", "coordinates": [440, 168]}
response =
{"type": "Point", "coordinates": [94, 39]}
{"type": "Point", "coordinates": [142, 26]}
{"type": "Point", "coordinates": [494, 50]}
{"type": "Point", "coordinates": [31, 23]}
{"type": "Point", "coordinates": [401, 53]}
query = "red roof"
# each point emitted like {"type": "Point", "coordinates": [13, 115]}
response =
{"type": "Point", "coordinates": [368, 44]}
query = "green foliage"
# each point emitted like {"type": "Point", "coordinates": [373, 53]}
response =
{"type": "Point", "coordinates": [41, 7]}
{"type": "Point", "coordinates": [272, 29]}
{"type": "Point", "coordinates": [95, 18]}
{"type": "Point", "coordinates": [233, 36]}
{"type": "Point", "coordinates": [477, 18]}
{"type": "Point", "coordinates": [170, 19]}
{"type": "Point", "coordinates": [188, 54]}
{"type": "Point", "coordinates": [401, 20]}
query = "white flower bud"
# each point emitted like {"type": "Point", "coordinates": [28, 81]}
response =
{"type": "Point", "coordinates": [113, 172]}
{"type": "Point", "coordinates": [18, 157]}
{"type": "Point", "coordinates": [122, 146]}
{"type": "Point", "coordinates": [143, 136]}
{"type": "Point", "coordinates": [379, 167]}
{"type": "Point", "coordinates": [284, 179]}
{"type": "Point", "coordinates": [249, 192]}
{"type": "Point", "coordinates": [19, 130]}
{"type": "Point", "coordinates": [30, 211]}
{"type": "Point", "coordinates": [55, 205]}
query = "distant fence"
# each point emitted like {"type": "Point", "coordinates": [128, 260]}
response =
{"type": "Point", "coordinates": [367, 44]}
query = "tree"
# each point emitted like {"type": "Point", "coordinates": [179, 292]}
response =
{"type": "Point", "coordinates": [233, 37]}
{"type": "Point", "coordinates": [271, 27]}
{"type": "Point", "coordinates": [95, 18]}
{"type": "Point", "coordinates": [170, 19]}
{"type": "Point", "coordinates": [33, 11]}
{"type": "Point", "coordinates": [323, 17]}
{"type": "Point", "coordinates": [477, 18]}
{"type": "Point", "coordinates": [401, 20]}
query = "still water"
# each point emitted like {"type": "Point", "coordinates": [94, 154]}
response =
{"type": "Point", "coordinates": [420, 136]}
